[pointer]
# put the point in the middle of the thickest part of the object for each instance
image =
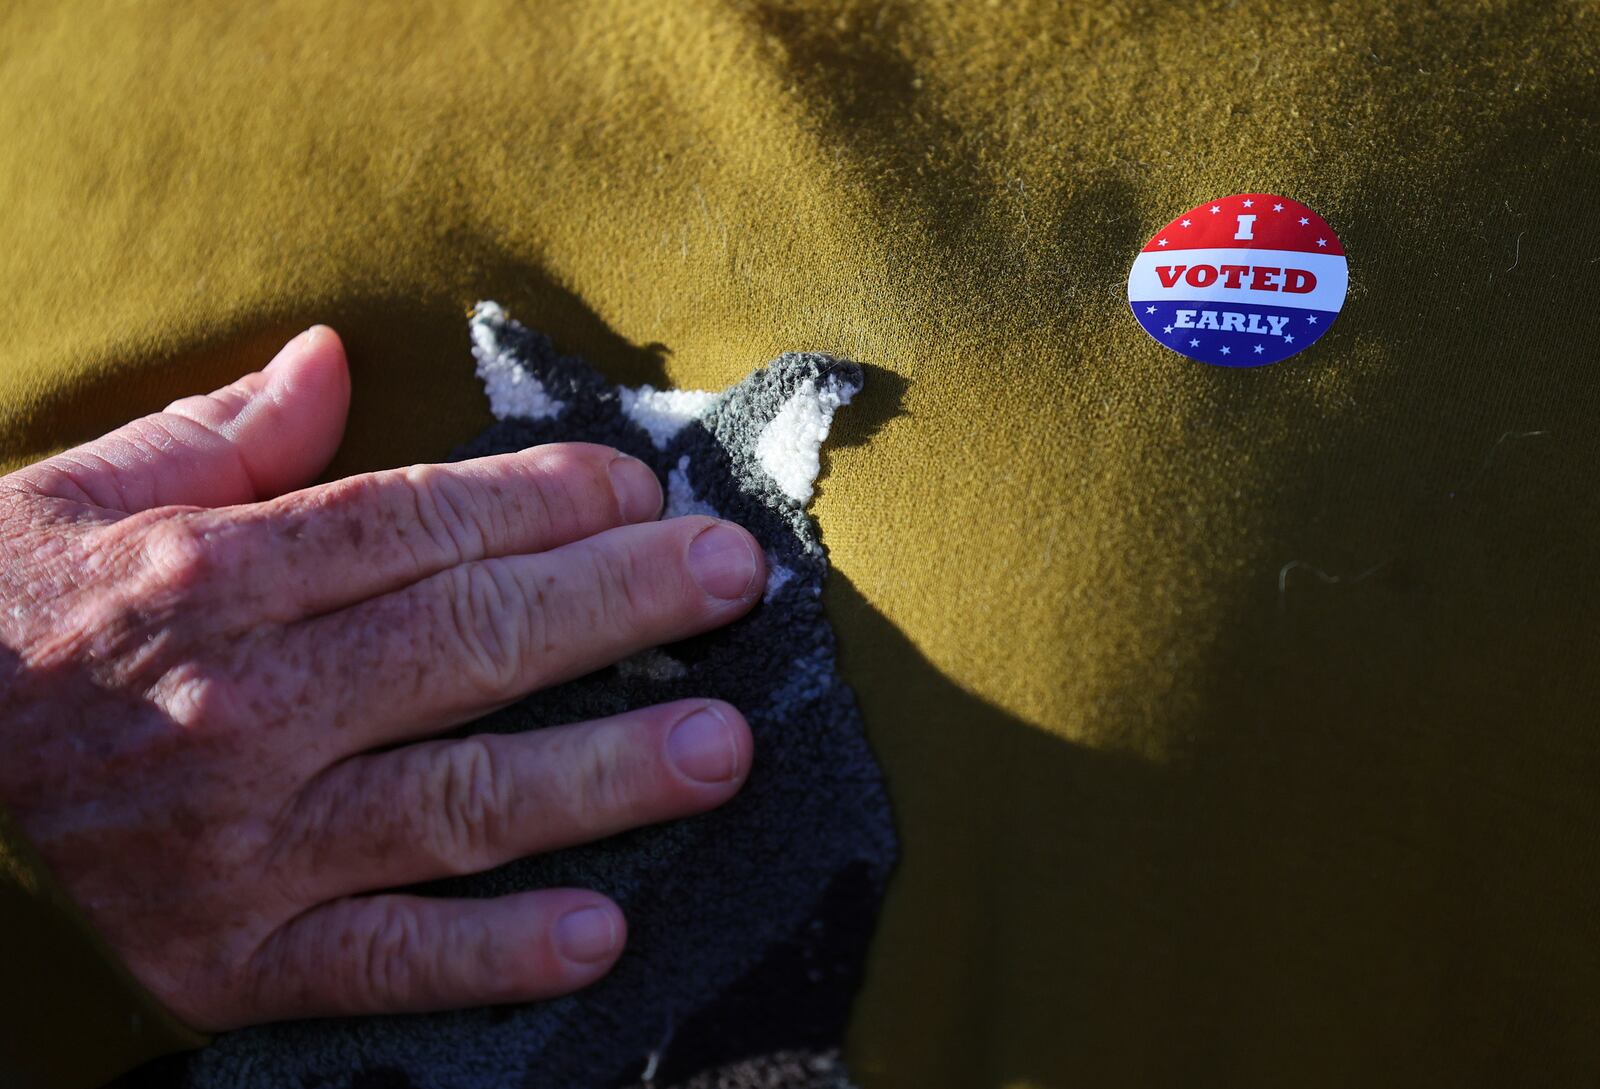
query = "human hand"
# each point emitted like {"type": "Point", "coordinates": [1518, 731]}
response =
{"type": "Point", "coordinates": [212, 691]}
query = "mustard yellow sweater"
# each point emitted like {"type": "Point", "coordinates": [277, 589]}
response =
{"type": "Point", "coordinates": [1241, 724]}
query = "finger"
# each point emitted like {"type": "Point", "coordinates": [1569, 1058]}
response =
{"type": "Point", "coordinates": [352, 539]}
{"type": "Point", "coordinates": [408, 954]}
{"type": "Point", "coordinates": [480, 635]}
{"type": "Point", "coordinates": [446, 808]}
{"type": "Point", "coordinates": [271, 430]}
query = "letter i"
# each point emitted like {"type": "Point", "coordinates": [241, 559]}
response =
{"type": "Point", "coordinates": [1246, 226]}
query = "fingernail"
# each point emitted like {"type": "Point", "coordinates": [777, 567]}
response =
{"type": "Point", "coordinates": [638, 491]}
{"type": "Point", "coordinates": [723, 561]}
{"type": "Point", "coordinates": [295, 346]}
{"type": "Point", "coordinates": [703, 748]}
{"type": "Point", "coordinates": [586, 935]}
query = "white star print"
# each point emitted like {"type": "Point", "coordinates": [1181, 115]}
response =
{"type": "Point", "coordinates": [1259, 349]}
{"type": "Point", "coordinates": [1227, 351]}
{"type": "Point", "coordinates": [1149, 310]}
{"type": "Point", "coordinates": [1194, 344]}
{"type": "Point", "coordinates": [1249, 204]}
{"type": "Point", "coordinates": [1185, 223]}
{"type": "Point", "coordinates": [1215, 209]}
{"type": "Point", "coordinates": [1168, 329]}
{"type": "Point", "coordinates": [1311, 319]}
{"type": "Point", "coordinates": [1304, 222]}
{"type": "Point", "coordinates": [1277, 207]}
{"type": "Point", "coordinates": [1288, 338]}
{"type": "Point", "coordinates": [1322, 241]}
{"type": "Point", "coordinates": [1161, 241]}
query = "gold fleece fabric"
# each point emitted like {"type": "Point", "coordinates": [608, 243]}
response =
{"type": "Point", "coordinates": [1241, 725]}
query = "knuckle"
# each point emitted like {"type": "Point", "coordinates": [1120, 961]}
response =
{"type": "Point", "coordinates": [148, 573]}
{"type": "Point", "coordinates": [178, 555]}
{"type": "Point", "coordinates": [445, 511]}
{"type": "Point", "coordinates": [388, 968]}
{"type": "Point", "coordinates": [491, 624]}
{"type": "Point", "coordinates": [198, 698]}
{"type": "Point", "coordinates": [469, 798]}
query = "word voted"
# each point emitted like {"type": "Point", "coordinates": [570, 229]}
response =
{"type": "Point", "coordinates": [1231, 321]}
{"type": "Point", "coordinates": [1262, 277]}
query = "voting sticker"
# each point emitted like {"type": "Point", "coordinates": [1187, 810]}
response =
{"type": "Point", "coordinates": [1243, 281]}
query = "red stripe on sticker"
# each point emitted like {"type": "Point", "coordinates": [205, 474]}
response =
{"type": "Point", "coordinates": [1248, 221]}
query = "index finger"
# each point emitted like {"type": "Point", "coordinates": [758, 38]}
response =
{"type": "Point", "coordinates": [325, 547]}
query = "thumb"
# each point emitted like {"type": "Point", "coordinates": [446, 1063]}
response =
{"type": "Point", "coordinates": [270, 431]}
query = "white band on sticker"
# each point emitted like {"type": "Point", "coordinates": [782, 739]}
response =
{"type": "Point", "coordinates": [1305, 281]}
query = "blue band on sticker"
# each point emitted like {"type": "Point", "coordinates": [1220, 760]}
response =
{"type": "Point", "coordinates": [1243, 281]}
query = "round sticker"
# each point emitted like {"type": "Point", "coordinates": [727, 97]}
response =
{"type": "Point", "coordinates": [1242, 281]}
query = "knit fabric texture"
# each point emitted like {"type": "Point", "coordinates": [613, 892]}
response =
{"type": "Point", "coordinates": [747, 925]}
{"type": "Point", "coordinates": [1239, 724]}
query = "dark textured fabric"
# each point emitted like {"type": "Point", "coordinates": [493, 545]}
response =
{"type": "Point", "coordinates": [748, 926]}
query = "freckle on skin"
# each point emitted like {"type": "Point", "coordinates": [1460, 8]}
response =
{"type": "Point", "coordinates": [356, 530]}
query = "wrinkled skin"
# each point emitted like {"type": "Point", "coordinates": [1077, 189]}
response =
{"type": "Point", "coordinates": [216, 693]}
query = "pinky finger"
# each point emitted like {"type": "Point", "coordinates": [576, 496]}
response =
{"type": "Point", "coordinates": [405, 954]}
